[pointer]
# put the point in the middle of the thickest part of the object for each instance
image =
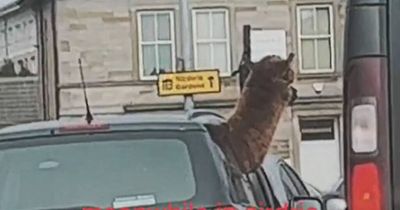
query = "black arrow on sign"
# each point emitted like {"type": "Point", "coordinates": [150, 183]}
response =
{"type": "Point", "coordinates": [211, 79]}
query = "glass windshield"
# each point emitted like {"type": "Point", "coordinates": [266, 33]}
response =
{"type": "Point", "coordinates": [94, 173]}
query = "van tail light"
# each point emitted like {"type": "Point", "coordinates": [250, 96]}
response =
{"type": "Point", "coordinates": [366, 188]}
{"type": "Point", "coordinates": [364, 128]}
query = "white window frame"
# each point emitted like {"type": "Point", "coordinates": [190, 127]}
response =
{"type": "Point", "coordinates": [156, 42]}
{"type": "Point", "coordinates": [315, 37]}
{"type": "Point", "coordinates": [226, 40]}
{"type": "Point", "coordinates": [336, 130]}
{"type": "Point", "coordinates": [20, 44]}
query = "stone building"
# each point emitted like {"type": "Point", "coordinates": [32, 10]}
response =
{"type": "Point", "coordinates": [20, 84]}
{"type": "Point", "coordinates": [125, 43]}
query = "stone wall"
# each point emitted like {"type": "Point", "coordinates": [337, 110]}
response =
{"type": "Point", "coordinates": [20, 101]}
{"type": "Point", "coordinates": [20, 92]}
{"type": "Point", "coordinates": [104, 34]}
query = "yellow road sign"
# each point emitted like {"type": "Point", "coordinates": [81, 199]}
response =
{"type": "Point", "coordinates": [189, 82]}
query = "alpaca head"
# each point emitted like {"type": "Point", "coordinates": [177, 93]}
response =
{"type": "Point", "coordinates": [272, 68]}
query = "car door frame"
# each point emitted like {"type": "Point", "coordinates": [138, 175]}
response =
{"type": "Point", "coordinates": [266, 188]}
{"type": "Point", "coordinates": [295, 179]}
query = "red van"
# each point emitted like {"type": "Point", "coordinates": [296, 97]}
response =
{"type": "Point", "coordinates": [372, 105]}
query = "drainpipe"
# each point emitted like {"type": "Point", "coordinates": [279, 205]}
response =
{"type": "Point", "coordinates": [6, 36]}
{"type": "Point", "coordinates": [55, 49]}
{"type": "Point", "coordinates": [41, 53]}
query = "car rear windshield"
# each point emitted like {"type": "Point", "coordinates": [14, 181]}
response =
{"type": "Point", "coordinates": [94, 173]}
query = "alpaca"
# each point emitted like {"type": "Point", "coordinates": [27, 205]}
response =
{"type": "Point", "coordinates": [246, 136]}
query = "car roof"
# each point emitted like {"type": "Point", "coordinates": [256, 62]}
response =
{"type": "Point", "coordinates": [108, 119]}
{"type": "Point", "coordinates": [194, 119]}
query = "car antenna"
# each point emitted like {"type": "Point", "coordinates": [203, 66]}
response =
{"type": "Point", "coordinates": [89, 116]}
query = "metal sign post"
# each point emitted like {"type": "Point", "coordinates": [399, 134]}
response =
{"type": "Point", "coordinates": [246, 59]}
{"type": "Point", "coordinates": [245, 62]}
{"type": "Point", "coordinates": [187, 46]}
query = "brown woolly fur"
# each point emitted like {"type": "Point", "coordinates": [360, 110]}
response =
{"type": "Point", "coordinates": [248, 133]}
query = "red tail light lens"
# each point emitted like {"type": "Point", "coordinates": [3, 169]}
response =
{"type": "Point", "coordinates": [366, 188]}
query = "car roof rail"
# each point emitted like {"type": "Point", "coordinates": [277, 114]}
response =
{"type": "Point", "coordinates": [192, 114]}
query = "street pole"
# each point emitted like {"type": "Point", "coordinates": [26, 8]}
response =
{"type": "Point", "coordinates": [187, 45]}
{"type": "Point", "coordinates": [244, 71]}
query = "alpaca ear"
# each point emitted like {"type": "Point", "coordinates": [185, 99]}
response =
{"type": "Point", "coordinates": [290, 58]}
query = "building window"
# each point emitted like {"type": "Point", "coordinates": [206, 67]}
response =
{"type": "Point", "coordinates": [3, 45]}
{"type": "Point", "coordinates": [18, 53]}
{"type": "Point", "coordinates": [318, 129]}
{"type": "Point", "coordinates": [156, 43]}
{"type": "Point", "coordinates": [315, 38]}
{"type": "Point", "coordinates": [211, 40]}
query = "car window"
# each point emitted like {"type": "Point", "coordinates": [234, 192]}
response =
{"type": "Point", "coordinates": [296, 181]}
{"type": "Point", "coordinates": [313, 191]}
{"type": "Point", "coordinates": [272, 173]}
{"type": "Point", "coordinates": [256, 187]}
{"type": "Point", "coordinates": [251, 197]}
{"type": "Point", "coordinates": [239, 187]}
{"type": "Point", "coordinates": [288, 185]}
{"type": "Point", "coordinates": [91, 173]}
{"type": "Point", "coordinates": [267, 192]}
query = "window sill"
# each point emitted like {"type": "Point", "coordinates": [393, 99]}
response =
{"type": "Point", "coordinates": [18, 79]}
{"type": "Point", "coordinates": [224, 77]}
{"type": "Point", "coordinates": [332, 76]}
{"type": "Point", "coordinates": [226, 81]}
